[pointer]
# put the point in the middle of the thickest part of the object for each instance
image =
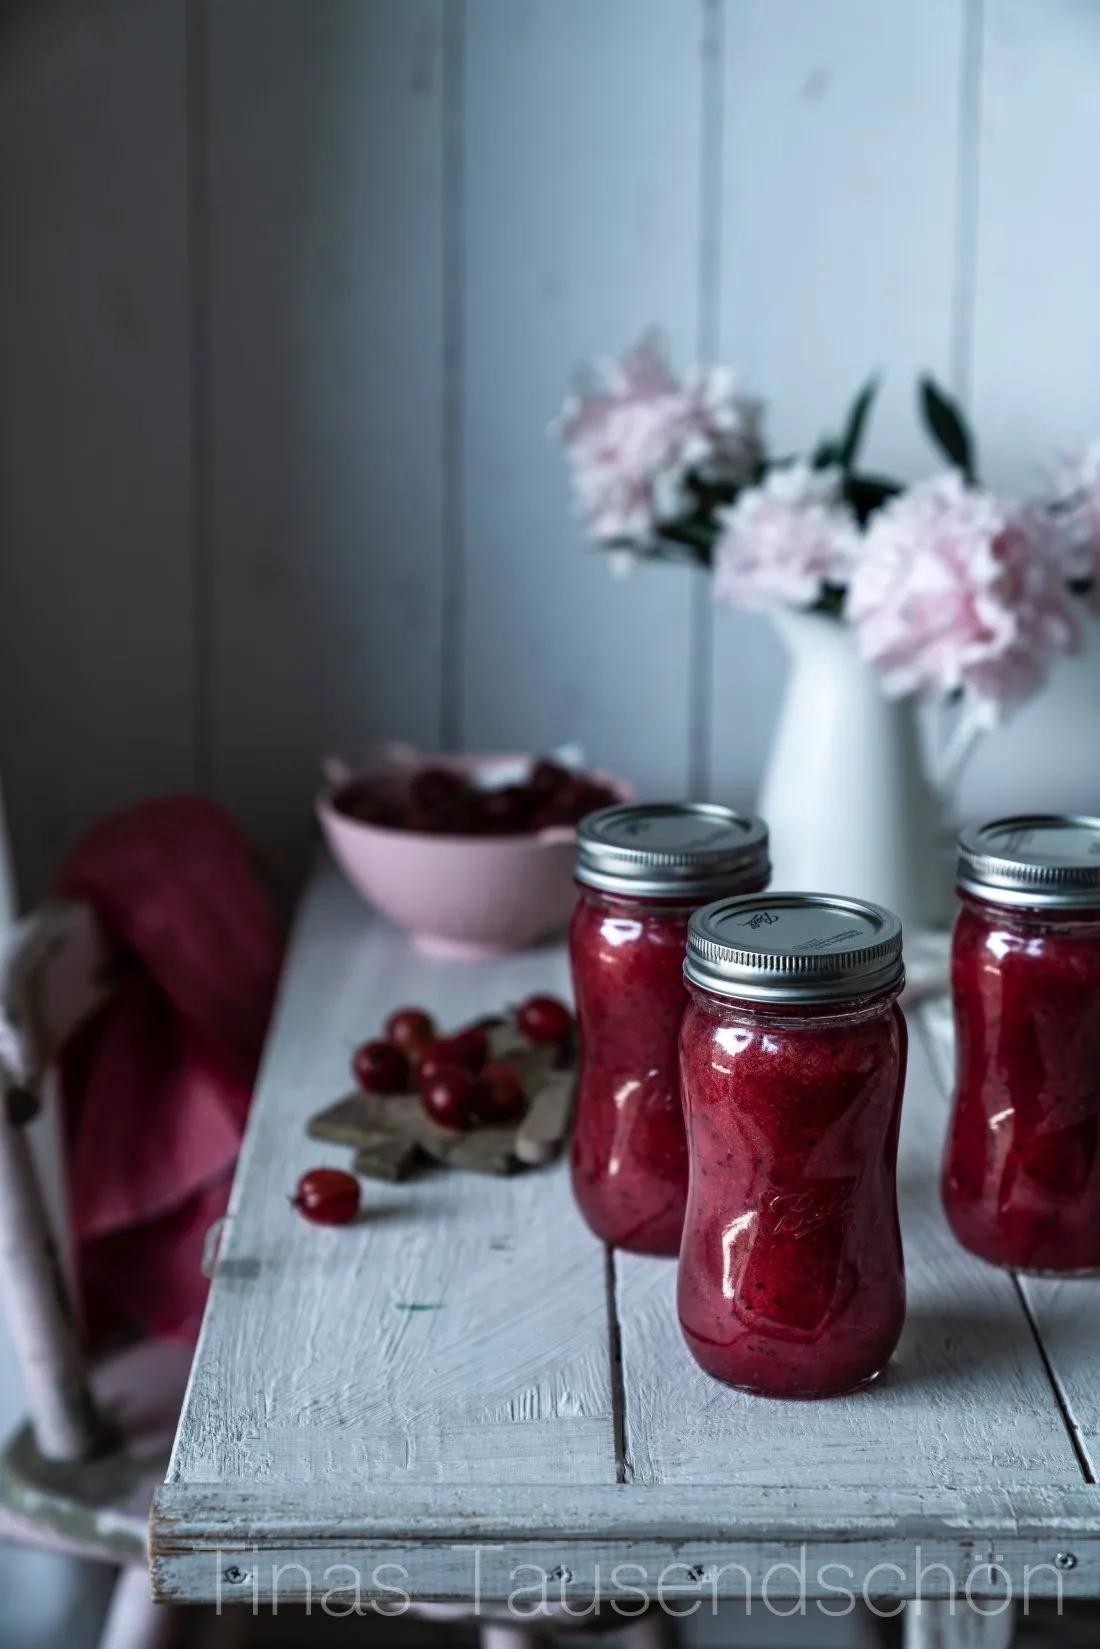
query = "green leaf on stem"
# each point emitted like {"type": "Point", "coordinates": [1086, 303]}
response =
{"type": "Point", "coordinates": [852, 438]}
{"type": "Point", "coordinates": [843, 452]}
{"type": "Point", "coordinates": [948, 428]}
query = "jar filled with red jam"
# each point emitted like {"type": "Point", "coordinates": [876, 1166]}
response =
{"type": "Point", "coordinates": [792, 1058]}
{"type": "Point", "coordinates": [1021, 1180]}
{"type": "Point", "coordinates": [641, 870]}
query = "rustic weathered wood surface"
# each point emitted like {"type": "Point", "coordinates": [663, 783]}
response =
{"type": "Point", "coordinates": [466, 1380]}
{"type": "Point", "coordinates": [966, 1398]}
{"type": "Point", "coordinates": [1063, 1312]}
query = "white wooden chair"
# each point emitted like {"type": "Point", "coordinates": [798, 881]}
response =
{"type": "Point", "coordinates": [78, 1477]}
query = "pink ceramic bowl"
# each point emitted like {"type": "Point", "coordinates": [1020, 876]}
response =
{"type": "Point", "coordinates": [462, 896]}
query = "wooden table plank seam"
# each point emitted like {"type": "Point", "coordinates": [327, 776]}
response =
{"type": "Point", "coordinates": [1067, 1337]}
{"type": "Point", "coordinates": [623, 1471]}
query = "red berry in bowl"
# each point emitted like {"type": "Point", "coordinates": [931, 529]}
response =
{"type": "Point", "coordinates": [589, 798]}
{"type": "Point", "coordinates": [327, 1196]}
{"type": "Point", "coordinates": [380, 1068]}
{"type": "Point", "coordinates": [547, 777]}
{"type": "Point", "coordinates": [438, 788]}
{"type": "Point", "coordinates": [442, 801]}
{"type": "Point", "coordinates": [544, 1020]}
{"type": "Point", "coordinates": [506, 812]}
{"type": "Point", "coordinates": [410, 1029]}
{"type": "Point", "coordinates": [425, 822]}
{"type": "Point", "coordinates": [361, 801]}
{"type": "Point", "coordinates": [448, 1097]}
{"type": "Point", "coordinates": [500, 1096]}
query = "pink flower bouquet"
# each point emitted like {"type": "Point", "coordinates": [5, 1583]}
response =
{"type": "Point", "coordinates": [647, 447]}
{"type": "Point", "coordinates": [951, 592]}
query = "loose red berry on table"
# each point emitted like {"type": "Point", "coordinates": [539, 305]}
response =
{"type": "Point", "coordinates": [434, 1054]}
{"type": "Point", "coordinates": [410, 1029]}
{"type": "Point", "coordinates": [327, 1196]}
{"type": "Point", "coordinates": [380, 1068]}
{"type": "Point", "coordinates": [448, 1097]}
{"type": "Point", "coordinates": [431, 1063]}
{"type": "Point", "coordinates": [500, 1096]}
{"type": "Point", "coordinates": [470, 1049]}
{"type": "Point", "coordinates": [544, 1020]}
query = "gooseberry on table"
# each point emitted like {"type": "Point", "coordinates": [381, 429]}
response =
{"type": "Point", "coordinates": [380, 1068]}
{"type": "Point", "coordinates": [544, 1020]}
{"type": "Point", "coordinates": [460, 1086]}
{"type": "Point", "coordinates": [327, 1196]}
{"type": "Point", "coordinates": [448, 1096]}
{"type": "Point", "coordinates": [499, 1096]}
{"type": "Point", "coordinates": [469, 1049]}
{"type": "Point", "coordinates": [410, 1029]}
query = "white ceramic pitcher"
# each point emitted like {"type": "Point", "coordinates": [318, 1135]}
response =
{"type": "Point", "coordinates": [847, 794]}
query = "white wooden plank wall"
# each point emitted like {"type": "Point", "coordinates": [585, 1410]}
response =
{"type": "Point", "coordinates": [841, 153]}
{"type": "Point", "coordinates": [1036, 339]}
{"type": "Point", "coordinates": [289, 292]}
{"type": "Point", "coordinates": [324, 168]}
{"type": "Point", "coordinates": [96, 657]}
{"type": "Point", "coordinates": [580, 224]}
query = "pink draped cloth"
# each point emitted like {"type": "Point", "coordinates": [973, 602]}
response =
{"type": "Point", "coordinates": [156, 1088]}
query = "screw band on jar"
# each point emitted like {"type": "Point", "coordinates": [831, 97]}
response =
{"type": "Point", "coordinates": [669, 850]}
{"type": "Point", "coordinates": [1042, 860]}
{"type": "Point", "coordinates": [794, 947]}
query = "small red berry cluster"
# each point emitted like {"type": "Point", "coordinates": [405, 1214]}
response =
{"type": "Point", "coordinates": [460, 1086]}
{"type": "Point", "coordinates": [442, 802]}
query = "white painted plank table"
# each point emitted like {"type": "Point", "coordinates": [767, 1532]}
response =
{"type": "Point", "coordinates": [465, 1381]}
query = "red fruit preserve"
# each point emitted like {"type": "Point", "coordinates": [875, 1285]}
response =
{"type": "Point", "coordinates": [641, 870]}
{"type": "Point", "coordinates": [792, 1051]}
{"type": "Point", "coordinates": [1021, 1180]}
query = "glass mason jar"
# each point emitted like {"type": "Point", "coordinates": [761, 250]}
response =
{"type": "Point", "coordinates": [641, 870]}
{"type": "Point", "coordinates": [1021, 1179]}
{"type": "Point", "coordinates": [792, 1058]}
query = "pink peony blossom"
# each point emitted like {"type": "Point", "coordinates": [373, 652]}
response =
{"type": "Point", "coordinates": [1075, 506]}
{"type": "Point", "coordinates": [956, 590]}
{"type": "Point", "coordinates": [782, 540]}
{"type": "Point", "coordinates": [634, 441]}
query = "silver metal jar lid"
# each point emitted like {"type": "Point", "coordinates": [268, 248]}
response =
{"type": "Point", "coordinates": [1037, 859]}
{"type": "Point", "coordinates": [794, 947]}
{"type": "Point", "coordinates": [668, 850]}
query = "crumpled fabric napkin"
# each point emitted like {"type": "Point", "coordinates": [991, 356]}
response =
{"type": "Point", "coordinates": [155, 1089]}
